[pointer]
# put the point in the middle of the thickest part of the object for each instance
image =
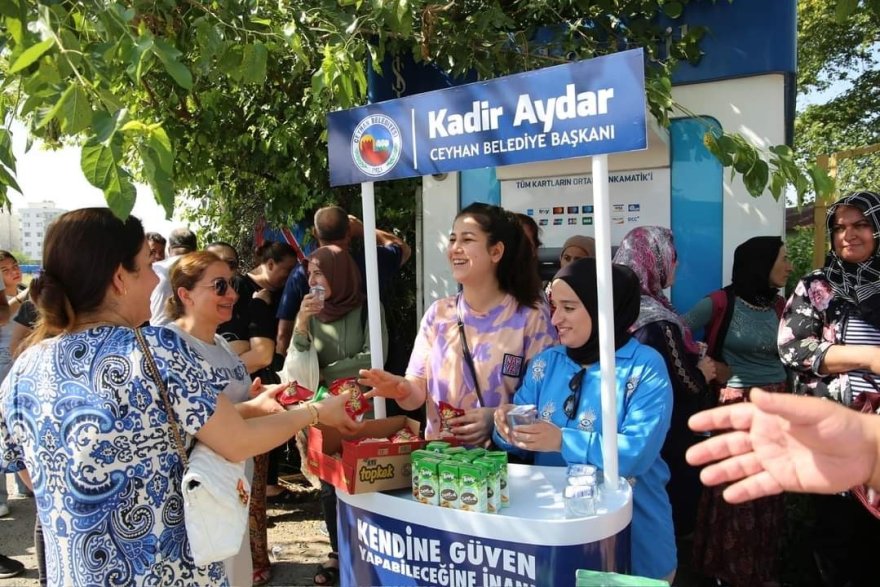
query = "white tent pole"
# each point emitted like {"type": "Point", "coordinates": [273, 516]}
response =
{"type": "Point", "coordinates": [606, 320]}
{"type": "Point", "coordinates": [377, 357]}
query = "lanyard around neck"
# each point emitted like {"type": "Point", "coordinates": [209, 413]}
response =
{"type": "Point", "coordinates": [466, 351]}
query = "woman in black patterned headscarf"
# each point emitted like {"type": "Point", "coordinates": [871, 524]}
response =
{"type": "Point", "coordinates": [830, 337]}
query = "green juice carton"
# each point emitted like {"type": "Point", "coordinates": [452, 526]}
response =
{"type": "Point", "coordinates": [437, 446]}
{"type": "Point", "coordinates": [500, 457]}
{"type": "Point", "coordinates": [449, 481]}
{"type": "Point", "coordinates": [477, 452]}
{"type": "Point", "coordinates": [454, 450]}
{"type": "Point", "coordinates": [413, 459]}
{"type": "Point", "coordinates": [493, 484]}
{"type": "Point", "coordinates": [472, 487]}
{"type": "Point", "coordinates": [426, 469]}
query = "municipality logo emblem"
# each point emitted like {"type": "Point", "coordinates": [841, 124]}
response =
{"type": "Point", "coordinates": [376, 145]}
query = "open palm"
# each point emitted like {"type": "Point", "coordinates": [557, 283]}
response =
{"type": "Point", "coordinates": [783, 443]}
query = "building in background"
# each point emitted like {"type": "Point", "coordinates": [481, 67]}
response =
{"type": "Point", "coordinates": [10, 231]}
{"type": "Point", "coordinates": [35, 218]}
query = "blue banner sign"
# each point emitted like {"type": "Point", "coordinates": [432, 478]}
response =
{"type": "Point", "coordinates": [380, 550]}
{"type": "Point", "coordinates": [578, 109]}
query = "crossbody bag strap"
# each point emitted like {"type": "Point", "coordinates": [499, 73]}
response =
{"type": "Point", "coordinates": [466, 351]}
{"type": "Point", "coordinates": [163, 393]}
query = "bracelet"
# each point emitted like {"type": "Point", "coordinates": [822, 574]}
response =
{"type": "Point", "coordinates": [313, 409]}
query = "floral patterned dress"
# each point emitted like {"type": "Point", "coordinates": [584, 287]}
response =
{"type": "Point", "coordinates": [814, 319]}
{"type": "Point", "coordinates": [81, 412]}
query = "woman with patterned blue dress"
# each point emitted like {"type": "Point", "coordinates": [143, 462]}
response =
{"type": "Point", "coordinates": [81, 413]}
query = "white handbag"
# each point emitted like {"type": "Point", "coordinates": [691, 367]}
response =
{"type": "Point", "coordinates": [302, 367]}
{"type": "Point", "coordinates": [216, 492]}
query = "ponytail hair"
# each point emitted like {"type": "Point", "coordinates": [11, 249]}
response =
{"type": "Point", "coordinates": [81, 252]}
{"type": "Point", "coordinates": [517, 272]}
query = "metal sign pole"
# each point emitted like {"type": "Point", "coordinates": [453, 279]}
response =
{"type": "Point", "coordinates": [605, 320]}
{"type": "Point", "coordinates": [377, 356]}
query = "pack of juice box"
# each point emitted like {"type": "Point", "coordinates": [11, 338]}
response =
{"type": "Point", "coordinates": [473, 480]}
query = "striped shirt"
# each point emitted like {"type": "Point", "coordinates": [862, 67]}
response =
{"type": "Point", "coordinates": [857, 331]}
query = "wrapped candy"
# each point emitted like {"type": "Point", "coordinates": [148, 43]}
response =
{"type": "Point", "coordinates": [293, 394]}
{"type": "Point", "coordinates": [357, 405]}
{"type": "Point", "coordinates": [403, 435]}
{"type": "Point", "coordinates": [447, 412]}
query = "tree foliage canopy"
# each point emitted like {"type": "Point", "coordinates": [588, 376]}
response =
{"type": "Point", "coordinates": [839, 47]}
{"type": "Point", "coordinates": [225, 101]}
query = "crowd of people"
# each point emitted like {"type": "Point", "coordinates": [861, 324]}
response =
{"type": "Point", "coordinates": [72, 369]}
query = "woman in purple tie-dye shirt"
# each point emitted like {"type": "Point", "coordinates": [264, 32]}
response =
{"type": "Point", "coordinates": [504, 323]}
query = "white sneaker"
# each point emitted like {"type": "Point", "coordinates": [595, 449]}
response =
{"type": "Point", "coordinates": [4, 510]}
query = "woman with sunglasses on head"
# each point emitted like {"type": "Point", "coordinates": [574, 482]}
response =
{"type": "Point", "coordinates": [251, 331]}
{"type": "Point", "coordinates": [472, 348]}
{"type": "Point", "coordinates": [650, 252]}
{"type": "Point", "coordinates": [202, 298]}
{"type": "Point", "coordinates": [83, 414]}
{"type": "Point", "coordinates": [564, 382]}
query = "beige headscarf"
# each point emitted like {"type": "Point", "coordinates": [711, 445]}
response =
{"type": "Point", "coordinates": [587, 243]}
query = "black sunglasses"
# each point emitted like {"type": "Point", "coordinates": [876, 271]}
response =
{"type": "Point", "coordinates": [574, 398]}
{"type": "Point", "coordinates": [220, 285]}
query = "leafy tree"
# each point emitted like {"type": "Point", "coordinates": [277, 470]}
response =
{"type": "Point", "coordinates": [839, 45]}
{"type": "Point", "coordinates": [224, 102]}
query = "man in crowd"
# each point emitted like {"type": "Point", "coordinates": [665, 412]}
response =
{"type": "Point", "coordinates": [334, 226]}
{"type": "Point", "coordinates": [180, 242]}
{"type": "Point", "coordinates": [156, 242]}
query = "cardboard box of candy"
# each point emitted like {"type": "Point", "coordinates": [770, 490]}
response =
{"type": "Point", "coordinates": [377, 459]}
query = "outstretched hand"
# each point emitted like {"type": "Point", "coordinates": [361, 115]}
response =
{"type": "Point", "coordinates": [782, 443]}
{"type": "Point", "coordinates": [384, 384]}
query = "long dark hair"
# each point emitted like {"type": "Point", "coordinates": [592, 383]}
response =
{"type": "Point", "coordinates": [81, 252]}
{"type": "Point", "coordinates": [517, 273]}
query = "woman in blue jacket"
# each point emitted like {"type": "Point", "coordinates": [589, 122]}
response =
{"type": "Point", "coordinates": [564, 383]}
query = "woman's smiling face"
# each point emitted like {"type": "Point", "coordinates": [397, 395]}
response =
{"type": "Point", "coordinates": [570, 318]}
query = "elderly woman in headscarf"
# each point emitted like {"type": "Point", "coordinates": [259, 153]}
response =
{"type": "Point", "coordinates": [739, 544]}
{"type": "Point", "coordinates": [830, 337]}
{"type": "Point", "coordinates": [564, 383]}
{"type": "Point", "coordinates": [577, 247]}
{"type": "Point", "coordinates": [650, 252]}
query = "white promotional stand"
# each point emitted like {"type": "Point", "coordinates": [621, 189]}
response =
{"type": "Point", "coordinates": [389, 539]}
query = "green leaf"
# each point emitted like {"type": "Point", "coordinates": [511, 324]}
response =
{"type": "Point", "coordinates": [673, 9]}
{"type": "Point", "coordinates": [755, 179]}
{"type": "Point", "coordinates": [159, 181]}
{"type": "Point", "coordinates": [823, 184]}
{"type": "Point", "coordinates": [15, 28]}
{"type": "Point", "coordinates": [844, 9]}
{"type": "Point", "coordinates": [7, 180]}
{"type": "Point", "coordinates": [102, 167]}
{"type": "Point", "coordinates": [253, 64]}
{"type": "Point", "coordinates": [7, 157]}
{"type": "Point", "coordinates": [76, 113]}
{"type": "Point", "coordinates": [31, 54]}
{"type": "Point", "coordinates": [168, 55]}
